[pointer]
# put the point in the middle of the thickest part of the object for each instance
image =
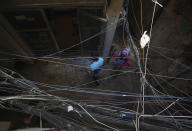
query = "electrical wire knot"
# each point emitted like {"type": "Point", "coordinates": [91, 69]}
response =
{"type": "Point", "coordinates": [156, 2]}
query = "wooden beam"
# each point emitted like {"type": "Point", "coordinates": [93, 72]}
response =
{"type": "Point", "coordinates": [50, 30]}
{"type": "Point", "coordinates": [11, 39]}
{"type": "Point", "coordinates": [10, 4]}
{"type": "Point", "coordinates": [113, 13]}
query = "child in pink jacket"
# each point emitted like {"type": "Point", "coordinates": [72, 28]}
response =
{"type": "Point", "coordinates": [121, 60]}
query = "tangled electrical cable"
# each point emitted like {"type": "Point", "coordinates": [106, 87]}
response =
{"type": "Point", "coordinates": [85, 108]}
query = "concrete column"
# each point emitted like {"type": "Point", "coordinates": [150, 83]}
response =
{"type": "Point", "coordinates": [113, 13]}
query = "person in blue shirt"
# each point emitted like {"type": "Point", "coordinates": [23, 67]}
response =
{"type": "Point", "coordinates": [94, 69]}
